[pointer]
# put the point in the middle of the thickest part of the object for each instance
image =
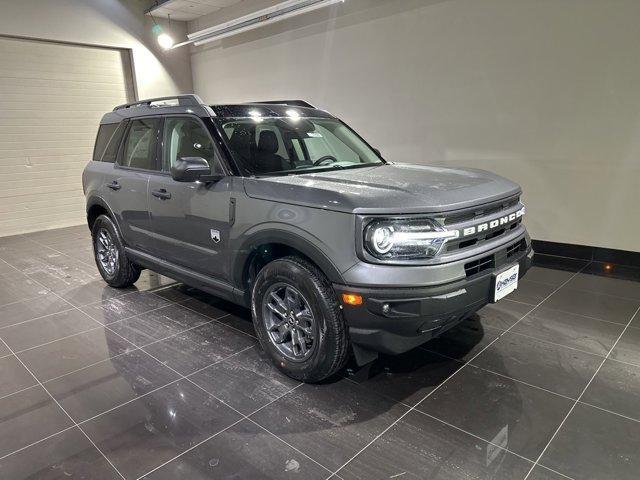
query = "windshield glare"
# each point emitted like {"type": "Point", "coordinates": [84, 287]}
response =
{"type": "Point", "coordinates": [277, 145]}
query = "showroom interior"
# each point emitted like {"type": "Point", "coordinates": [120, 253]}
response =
{"type": "Point", "coordinates": [173, 373]}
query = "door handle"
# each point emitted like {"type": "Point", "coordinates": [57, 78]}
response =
{"type": "Point", "coordinates": [162, 194]}
{"type": "Point", "coordinates": [114, 185]}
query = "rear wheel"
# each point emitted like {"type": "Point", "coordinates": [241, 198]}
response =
{"type": "Point", "coordinates": [298, 320]}
{"type": "Point", "coordinates": [110, 256]}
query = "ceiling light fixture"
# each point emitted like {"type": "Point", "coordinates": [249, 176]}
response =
{"type": "Point", "coordinates": [164, 39]}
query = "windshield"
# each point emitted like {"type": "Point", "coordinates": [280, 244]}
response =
{"type": "Point", "coordinates": [281, 146]}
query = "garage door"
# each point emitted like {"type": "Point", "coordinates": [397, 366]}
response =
{"type": "Point", "coordinates": [51, 99]}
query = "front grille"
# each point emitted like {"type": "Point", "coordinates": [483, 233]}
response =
{"type": "Point", "coordinates": [480, 265]}
{"type": "Point", "coordinates": [478, 217]}
{"type": "Point", "coordinates": [516, 248]}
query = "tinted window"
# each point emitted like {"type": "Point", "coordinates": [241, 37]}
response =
{"type": "Point", "coordinates": [111, 152]}
{"type": "Point", "coordinates": [105, 132]}
{"type": "Point", "coordinates": [186, 137]}
{"type": "Point", "coordinates": [140, 145]}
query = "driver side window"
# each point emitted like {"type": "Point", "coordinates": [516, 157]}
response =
{"type": "Point", "coordinates": [186, 137]}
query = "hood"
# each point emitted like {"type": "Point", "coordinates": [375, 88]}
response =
{"type": "Point", "coordinates": [390, 188]}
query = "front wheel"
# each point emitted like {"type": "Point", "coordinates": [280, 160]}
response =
{"type": "Point", "coordinates": [110, 256]}
{"type": "Point", "coordinates": [298, 320]}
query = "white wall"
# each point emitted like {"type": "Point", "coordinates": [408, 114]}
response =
{"type": "Point", "coordinates": [545, 92]}
{"type": "Point", "coordinates": [113, 23]}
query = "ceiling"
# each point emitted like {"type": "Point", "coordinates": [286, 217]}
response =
{"type": "Point", "coordinates": [186, 10]}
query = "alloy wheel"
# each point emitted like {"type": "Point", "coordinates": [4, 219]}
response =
{"type": "Point", "coordinates": [107, 251]}
{"type": "Point", "coordinates": [289, 321]}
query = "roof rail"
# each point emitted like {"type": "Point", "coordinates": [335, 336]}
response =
{"type": "Point", "coordinates": [183, 101]}
{"type": "Point", "coordinates": [292, 103]}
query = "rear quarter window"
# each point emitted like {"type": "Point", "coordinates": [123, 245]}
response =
{"type": "Point", "coordinates": [108, 141]}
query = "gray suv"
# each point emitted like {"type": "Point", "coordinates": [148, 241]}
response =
{"type": "Point", "coordinates": [283, 208]}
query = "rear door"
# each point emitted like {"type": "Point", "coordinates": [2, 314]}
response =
{"type": "Point", "coordinates": [190, 220]}
{"type": "Point", "coordinates": [126, 186]}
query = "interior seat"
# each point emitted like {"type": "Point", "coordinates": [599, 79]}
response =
{"type": "Point", "coordinates": [266, 159]}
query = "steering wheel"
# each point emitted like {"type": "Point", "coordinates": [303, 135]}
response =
{"type": "Point", "coordinates": [326, 158]}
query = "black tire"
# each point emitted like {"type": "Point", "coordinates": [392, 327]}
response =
{"type": "Point", "coordinates": [124, 273]}
{"type": "Point", "coordinates": [331, 347]}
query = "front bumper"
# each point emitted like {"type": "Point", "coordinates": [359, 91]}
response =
{"type": "Point", "coordinates": [416, 315]}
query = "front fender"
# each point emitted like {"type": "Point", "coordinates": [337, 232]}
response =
{"type": "Point", "coordinates": [286, 235]}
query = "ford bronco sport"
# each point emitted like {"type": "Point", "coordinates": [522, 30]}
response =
{"type": "Point", "coordinates": [283, 208]}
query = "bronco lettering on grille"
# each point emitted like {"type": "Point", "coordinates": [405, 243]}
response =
{"type": "Point", "coordinates": [498, 222]}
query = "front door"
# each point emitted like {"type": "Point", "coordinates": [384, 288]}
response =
{"type": "Point", "coordinates": [190, 220]}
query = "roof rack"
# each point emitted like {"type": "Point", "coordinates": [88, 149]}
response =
{"type": "Point", "coordinates": [292, 103]}
{"type": "Point", "coordinates": [189, 100]}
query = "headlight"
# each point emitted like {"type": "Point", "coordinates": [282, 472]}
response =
{"type": "Point", "coordinates": [405, 238]}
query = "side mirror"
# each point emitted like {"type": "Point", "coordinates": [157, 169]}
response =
{"type": "Point", "coordinates": [190, 169]}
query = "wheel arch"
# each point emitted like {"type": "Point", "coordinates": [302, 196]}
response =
{"type": "Point", "coordinates": [270, 245]}
{"type": "Point", "coordinates": [96, 206]}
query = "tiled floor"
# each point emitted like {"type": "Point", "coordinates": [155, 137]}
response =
{"type": "Point", "coordinates": [165, 382]}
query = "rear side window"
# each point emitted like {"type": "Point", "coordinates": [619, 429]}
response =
{"type": "Point", "coordinates": [140, 146]}
{"type": "Point", "coordinates": [111, 152]}
{"type": "Point", "coordinates": [105, 132]}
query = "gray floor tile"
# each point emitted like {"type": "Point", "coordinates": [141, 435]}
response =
{"type": "Point", "coordinates": [153, 429]}
{"type": "Point", "coordinates": [531, 292]}
{"type": "Point", "coordinates": [575, 331]}
{"type": "Point", "coordinates": [67, 455]}
{"type": "Point", "coordinates": [542, 364]}
{"type": "Point", "coordinates": [595, 444]}
{"type": "Point", "coordinates": [242, 451]}
{"type": "Point", "coordinates": [499, 410]}
{"type": "Point", "coordinates": [548, 275]}
{"type": "Point", "coordinates": [27, 417]}
{"type": "Point", "coordinates": [616, 388]}
{"type": "Point", "coordinates": [93, 291]}
{"type": "Point", "coordinates": [503, 315]}
{"type": "Point", "coordinates": [199, 347]}
{"type": "Point", "coordinates": [543, 473]}
{"type": "Point", "coordinates": [110, 383]}
{"type": "Point", "coordinates": [17, 288]}
{"type": "Point", "coordinates": [605, 307]}
{"type": "Point", "coordinates": [628, 347]}
{"type": "Point", "coordinates": [420, 447]}
{"type": "Point", "coordinates": [14, 376]}
{"type": "Point", "coordinates": [124, 306]}
{"type": "Point", "coordinates": [46, 329]}
{"type": "Point", "coordinates": [63, 356]}
{"type": "Point", "coordinates": [45, 303]}
{"type": "Point", "coordinates": [157, 324]}
{"type": "Point", "coordinates": [329, 422]}
{"type": "Point", "coordinates": [610, 286]}
{"type": "Point", "coordinates": [246, 381]}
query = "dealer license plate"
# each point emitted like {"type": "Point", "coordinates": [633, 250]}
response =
{"type": "Point", "coordinates": [506, 282]}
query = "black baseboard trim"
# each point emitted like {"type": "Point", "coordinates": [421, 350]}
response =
{"type": "Point", "coordinates": [585, 252]}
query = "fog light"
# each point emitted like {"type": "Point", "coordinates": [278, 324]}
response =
{"type": "Point", "coordinates": [351, 299]}
{"type": "Point", "coordinates": [386, 308]}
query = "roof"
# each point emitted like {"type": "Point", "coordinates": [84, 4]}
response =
{"type": "Point", "coordinates": [260, 109]}
{"type": "Point", "coordinates": [192, 104]}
